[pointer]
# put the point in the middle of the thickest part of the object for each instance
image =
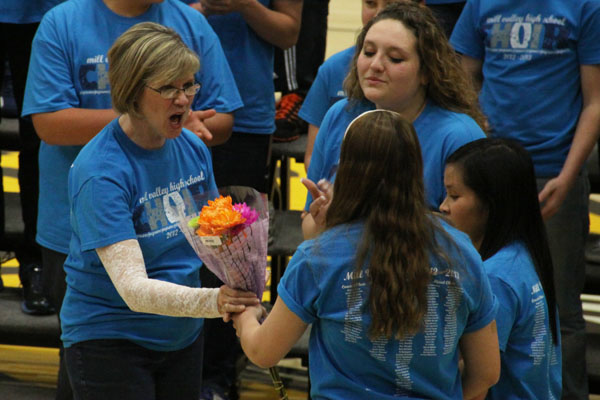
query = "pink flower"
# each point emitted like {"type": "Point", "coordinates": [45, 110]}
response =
{"type": "Point", "coordinates": [249, 214]}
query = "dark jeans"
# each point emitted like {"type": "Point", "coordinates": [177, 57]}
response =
{"type": "Point", "coordinates": [120, 369]}
{"type": "Point", "coordinates": [243, 160]}
{"type": "Point", "coordinates": [447, 14]}
{"type": "Point", "coordinates": [15, 47]}
{"type": "Point", "coordinates": [297, 67]}
{"type": "Point", "coordinates": [55, 286]}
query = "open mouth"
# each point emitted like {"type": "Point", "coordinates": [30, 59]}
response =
{"type": "Point", "coordinates": [176, 119]}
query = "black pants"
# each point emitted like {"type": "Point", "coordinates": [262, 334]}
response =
{"type": "Point", "coordinates": [447, 14]}
{"type": "Point", "coordinates": [297, 67]}
{"type": "Point", "coordinates": [55, 286]}
{"type": "Point", "coordinates": [120, 369]}
{"type": "Point", "coordinates": [243, 160]}
{"type": "Point", "coordinates": [15, 48]}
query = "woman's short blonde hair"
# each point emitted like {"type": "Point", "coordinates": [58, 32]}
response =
{"type": "Point", "coordinates": [146, 53]}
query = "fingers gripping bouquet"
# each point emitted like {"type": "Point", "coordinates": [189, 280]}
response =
{"type": "Point", "coordinates": [230, 235]}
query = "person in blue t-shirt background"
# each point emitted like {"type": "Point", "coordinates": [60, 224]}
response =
{"type": "Point", "coordinates": [327, 88]}
{"type": "Point", "coordinates": [68, 98]}
{"type": "Point", "coordinates": [19, 21]}
{"type": "Point", "coordinates": [492, 197]}
{"type": "Point", "coordinates": [249, 32]}
{"type": "Point", "coordinates": [538, 65]}
{"type": "Point", "coordinates": [403, 63]}
{"type": "Point", "coordinates": [133, 294]}
{"type": "Point", "coordinates": [390, 290]}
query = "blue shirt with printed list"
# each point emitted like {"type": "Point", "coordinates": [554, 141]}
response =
{"type": "Point", "coordinates": [318, 285]}
{"type": "Point", "coordinates": [531, 363]}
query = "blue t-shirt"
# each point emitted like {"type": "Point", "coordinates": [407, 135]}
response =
{"type": "Point", "coordinates": [343, 362]}
{"type": "Point", "coordinates": [25, 11]}
{"type": "Point", "coordinates": [68, 69]}
{"type": "Point", "coordinates": [531, 363]}
{"type": "Point", "coordinates": [440, 133]}
{"type": "Point", "coordinates": [120, 191]}
{"type": "Point", "coordinates": [327, 87]}
{"type": "Point", "coordinates": [532, 52]}
{"type": "Point", "coordinates": [251, 61]}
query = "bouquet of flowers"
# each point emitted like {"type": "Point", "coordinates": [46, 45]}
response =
{"type": "Point", "coordinates": [230, 235]}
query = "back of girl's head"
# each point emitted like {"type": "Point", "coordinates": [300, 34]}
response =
{"type": "Point", "coordinates": [380, 165]}
{"type": "Point", "coordinates": [448, 85]}
{"type": "Point", "coordinates": [380, 181]}
{"type": "Point", "coordinates": [501, 174]}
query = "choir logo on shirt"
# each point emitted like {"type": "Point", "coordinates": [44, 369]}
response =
{"type": "Point", "coordinates": [520, 37]}
{"type": "Point", "coordinates": [158, 211]}
{"type": "Point", "coordinates": [93, 75]}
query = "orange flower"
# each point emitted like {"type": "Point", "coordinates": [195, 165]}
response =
{"type": "Point", "coordinates": [218, 217]}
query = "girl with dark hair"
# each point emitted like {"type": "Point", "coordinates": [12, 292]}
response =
{"type": "Point", "coordinates": [492, 197]}
{"type": "Point", "coordinates": [391, 292]}
{"type": "Point", "coordinates": [403, 63]}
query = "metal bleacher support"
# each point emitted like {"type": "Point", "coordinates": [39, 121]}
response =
{"type": "Point", "coordinates": [17, 328]}
{"type": "Point", "coordinates": [283, 152]}
{"type": "Point", "coordinates": [13, 225]}
{"type": "Point", "coordinates": [286, 224]}
{"type": "Point", "coordinates": [13, 232]}
{"type": "Point", "coordinates": [9, 134]}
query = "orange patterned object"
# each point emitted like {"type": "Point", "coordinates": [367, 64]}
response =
{"type": "Point", "coordinates": [218, 217]}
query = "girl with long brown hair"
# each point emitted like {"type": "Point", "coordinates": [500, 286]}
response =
{"type": "Point", "coordinates": [403, 63]}
{"type": "Point", "coordinates": [391, 291]}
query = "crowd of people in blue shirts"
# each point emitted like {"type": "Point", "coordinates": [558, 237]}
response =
{"type": "Point", "coordinates": [447, 206]}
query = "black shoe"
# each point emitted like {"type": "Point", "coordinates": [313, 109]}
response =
{"type": "Point", "coordinates": [34, 301]}
{"type": "Point", "coordinates": [288, 125]}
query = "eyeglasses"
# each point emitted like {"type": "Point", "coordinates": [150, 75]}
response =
{"type": "Point", "coordinates": [171, 92]}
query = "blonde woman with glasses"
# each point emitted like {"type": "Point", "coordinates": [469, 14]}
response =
{"type": "Point", "coordinates": [133, 295]}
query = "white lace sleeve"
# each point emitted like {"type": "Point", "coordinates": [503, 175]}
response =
{"type": "Point", "coordinates": [125, 266]}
